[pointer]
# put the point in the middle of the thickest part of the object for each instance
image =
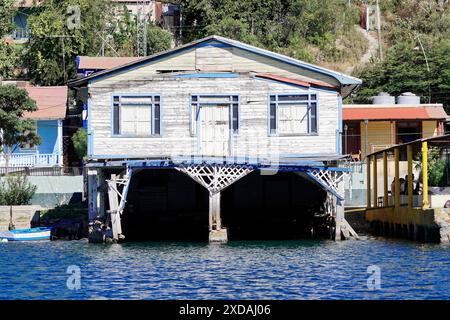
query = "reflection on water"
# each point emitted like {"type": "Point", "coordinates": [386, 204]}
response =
{"type": "Point", "coordinates": [239, 270]}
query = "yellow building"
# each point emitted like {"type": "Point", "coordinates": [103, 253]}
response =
{"type": "Point", "coordinates": [372, 127]}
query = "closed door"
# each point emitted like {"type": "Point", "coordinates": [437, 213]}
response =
{"type": "Point", "coordinates": [214, 130]}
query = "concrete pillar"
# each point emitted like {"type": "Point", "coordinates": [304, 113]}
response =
{"type": "Point", "coordinates": [217, 234]}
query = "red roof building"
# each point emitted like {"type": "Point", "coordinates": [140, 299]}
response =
{"type": "Point", "coordinates": [378, 126]}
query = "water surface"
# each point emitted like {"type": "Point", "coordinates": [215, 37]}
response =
{"type": "Point", "coordinates": [239, 270]}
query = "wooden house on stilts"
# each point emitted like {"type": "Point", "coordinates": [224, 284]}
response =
{"type": "Point", "coordinates": [217, 138]}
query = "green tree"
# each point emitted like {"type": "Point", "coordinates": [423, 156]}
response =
{"type": "Point", "coordinates": [15, 129]}
{"type": "Point", "coordinates": [158, 40]}
{"type": "Point", "coordinates": [7, 10]}
{"type": "Point", "coordinates": [8, 59]}
{"type": "Point", "coordinates": [405, 69]}
{"type": "Point", "coordinates": [79, 140]}
{"type": "Point", "coordinates": [106, 28]}
{"type": "Point", "coordinates": [16, 190]}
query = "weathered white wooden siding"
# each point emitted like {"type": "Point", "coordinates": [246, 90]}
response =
{"type": "Point", "coordinates": [252, 140]}
{"type": "Point", "coordinates": [212, 58]}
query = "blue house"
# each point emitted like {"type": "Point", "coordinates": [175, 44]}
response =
{"type": "Point", "coordinates": [52, 104]}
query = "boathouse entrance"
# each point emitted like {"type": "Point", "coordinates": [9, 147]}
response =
{"type": "Point", "coordinates": [274, 207]}
{"type": "Point", "coordinates": [195, 199]}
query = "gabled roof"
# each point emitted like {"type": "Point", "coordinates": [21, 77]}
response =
{"type": "Point", "coordinates": [343, 79]}
{"type": "Point", "coordinates": [51, 102]}
{"type": "Point", "coordinates": [102, 63]}
{"type": "Point", "coordinates": [394, 112]}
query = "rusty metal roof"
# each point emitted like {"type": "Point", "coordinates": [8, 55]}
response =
{"type": "Point", "coordinates": [103, 63]}
{"type": "Point", "coordinates": [51, 102]}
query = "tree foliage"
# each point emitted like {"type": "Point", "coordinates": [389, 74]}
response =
{"type": "Point", "coordinates": [16, 130]}
{"type": "Point", "coordinates": [9, 59]}
{"type": "Point", "coordinates": [6, 13]}
{"type": "Point", "coordinates": [158, 40]}
{"type": "Point", "coordinates": [411, 26]}
{"type": "Point", "coordinates": [106, 28]}
{"type": "Point", "coordinates": [16, 190]}
{"type": "Point", "coordinates": [292, 27]}
{"type": "Point", "coordinates": [79, 140]}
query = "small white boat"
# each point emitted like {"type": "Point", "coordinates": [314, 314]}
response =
{"type": "Point", "coordinates": [33, 234]}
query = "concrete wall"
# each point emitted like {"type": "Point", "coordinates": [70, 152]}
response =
{"type": "Point", "coordinates": [53, 191]}
{"type": "Point", "coordinates": [430, 225]}
{"type": "Point", "coordinates": [24, 217]}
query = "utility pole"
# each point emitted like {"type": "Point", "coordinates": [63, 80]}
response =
{"type": "Point", "coordinates": [142, 25]}
{"type": "Point", "coordinates": [380, 46]}
{"type": "Point", "coordinates": [62, 51]}
{"type": "Point", "coordinates": [428, 67]}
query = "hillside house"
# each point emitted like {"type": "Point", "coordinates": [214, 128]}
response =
{"type": "Point", "coordinates": [215, 133]}
{"type": "Point", "coordinates": [51, 105]}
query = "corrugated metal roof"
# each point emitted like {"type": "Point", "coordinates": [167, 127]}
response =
{"type": "Point", "coordinates": [103, 63]}
{"type": "Point", "coordinates": [50, 101]}
{"type": "Point", "coordinates": [394, 113]}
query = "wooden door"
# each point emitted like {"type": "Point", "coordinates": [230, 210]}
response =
{"type": "Point", "coordinates": [214, 129]}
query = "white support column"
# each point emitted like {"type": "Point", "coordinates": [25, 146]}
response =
{"type": "Point", "coordinates": [117, 206]}
{"type": "Point", "coordinates": [114, 207]}
{"type": "Point", "coordinates": [217, 234]}
{"type": "Point", "coordinates": [215, 178]}
{"type": "Point", "coordinates": [60, 144]}
{"type": "Point", "coordinates": [339, 215]}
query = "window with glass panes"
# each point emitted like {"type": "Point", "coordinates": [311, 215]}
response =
{"type": "Point", "coordinates": [136, 115]}
{"type": "Point", "coordinates": [291, 114]}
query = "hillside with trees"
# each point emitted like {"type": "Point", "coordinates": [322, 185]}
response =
{"type": "Point", "coordinates": [414, 36]}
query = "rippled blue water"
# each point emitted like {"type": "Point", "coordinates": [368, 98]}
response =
{"type": "Point", "coordinates": [238, 270]}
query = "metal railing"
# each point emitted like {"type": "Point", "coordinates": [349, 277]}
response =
{"type": "Point", "coordinates": [21, 33]}
{"type": "Point", "coordinates": [41, 171]}
{"type": "Point", "coordinates": [32, 160]}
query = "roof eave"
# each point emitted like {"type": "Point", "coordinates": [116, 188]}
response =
{"type": "Point", "coordinates": [343, 79]}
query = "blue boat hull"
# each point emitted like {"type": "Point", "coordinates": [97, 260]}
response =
{"type": "Point", "coordinates": [33, 234]}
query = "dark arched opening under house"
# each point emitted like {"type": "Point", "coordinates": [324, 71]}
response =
{"type": "Point", "coordinates": [165, 205]}
{"type": "Point", "coordinates": [274, 207]}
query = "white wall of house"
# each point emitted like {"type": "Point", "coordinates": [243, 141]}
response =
{"type": "Point", "coordinates": [176, 137]}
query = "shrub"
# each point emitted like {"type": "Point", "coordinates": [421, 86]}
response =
{"type": "Point", "coordinates": [16, 190]}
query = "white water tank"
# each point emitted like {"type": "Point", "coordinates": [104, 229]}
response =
{"type": "Point", "coordinates": [383, 98]}
{"type": "Point", "coordinates": [408, 98]}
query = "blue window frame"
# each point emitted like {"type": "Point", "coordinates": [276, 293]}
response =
{"type": "Point", "coordinates": [200, 101]}
{"type": "Point", "coordinates": [136, 115]}
{"type": "Point", "coordinates": [293, 114]}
